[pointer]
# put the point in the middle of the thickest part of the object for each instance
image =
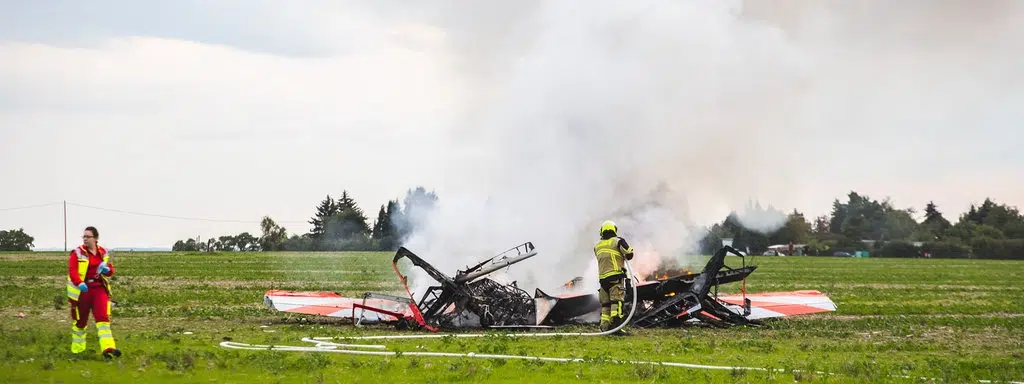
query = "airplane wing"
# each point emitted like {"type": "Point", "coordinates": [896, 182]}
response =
{"type": "Point", "coordinates": [331, 304]}
{"type": "Point", "coordinates": [782, 304]}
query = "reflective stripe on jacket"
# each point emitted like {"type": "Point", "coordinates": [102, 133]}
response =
{"type": "Point", "coordinates": [610, 257]}
{"type": "Point", "coordinates": [83, 267]}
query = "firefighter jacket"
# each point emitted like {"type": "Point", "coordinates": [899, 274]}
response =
{"type": "Point", "coordinates": [611, 254]}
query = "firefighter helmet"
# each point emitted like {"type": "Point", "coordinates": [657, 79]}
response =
{"type": "Point", "coordinates": [609, 225]}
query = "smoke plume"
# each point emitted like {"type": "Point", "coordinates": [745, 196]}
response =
{"type": "Point", "coordinates": [665, 115]}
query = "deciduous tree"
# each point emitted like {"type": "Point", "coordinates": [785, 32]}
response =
{"type": "Point", "coordinates": [16, 240]}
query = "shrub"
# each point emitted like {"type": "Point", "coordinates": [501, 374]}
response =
{"type": "Point", "coordinates": [946, 250]}
{"type": "Point", "coordinates": [899, 249]}
{"type": "Point", "coordinates": [1004, 249]}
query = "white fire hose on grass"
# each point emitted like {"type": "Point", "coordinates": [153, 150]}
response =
{"type": "Point", "coordinates": [322, 344]}
{"type": "Point", "coordinates": [632, 309]}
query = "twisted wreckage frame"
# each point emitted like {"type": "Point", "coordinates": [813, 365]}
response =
{"type": "Point", "coordinates": [470, 299]}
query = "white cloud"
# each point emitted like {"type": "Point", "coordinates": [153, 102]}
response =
{"type": "Point", "coordinates": [170, 126]}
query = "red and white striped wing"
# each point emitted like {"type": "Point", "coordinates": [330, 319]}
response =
{"type": "Point", "coordinates": [782, 304]}
{"type": "Point", "coordinates": [331, 304]}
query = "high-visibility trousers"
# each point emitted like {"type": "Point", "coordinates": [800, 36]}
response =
{"type": "Point", "coordinates": [611, 295]}
{"type": "Point", "coordinates": [96, 301]}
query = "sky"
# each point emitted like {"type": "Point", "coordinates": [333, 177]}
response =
{"type": "Point", "coordinates": [233, 110]}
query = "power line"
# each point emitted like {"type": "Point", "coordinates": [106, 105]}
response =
{"type": "Point", "coordinates": [30, 206]}
{"type": "Point", "coordinates": [177, 217]}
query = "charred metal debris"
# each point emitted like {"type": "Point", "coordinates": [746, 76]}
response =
{"type": "Point", "coordinates": [471, 299]}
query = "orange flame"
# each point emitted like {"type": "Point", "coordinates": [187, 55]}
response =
{"type": "Point", "coordinates": [573, 282]}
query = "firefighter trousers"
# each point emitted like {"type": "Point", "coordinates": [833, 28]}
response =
{"type": "Point", "coordinates": [611, 294]}
{"type": "Point", "coordinates": [97, 301]}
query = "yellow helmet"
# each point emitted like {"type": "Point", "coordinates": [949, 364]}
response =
{"type": "Point", "coordinates": [609, 225]}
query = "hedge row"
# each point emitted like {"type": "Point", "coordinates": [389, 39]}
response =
{"type": "Point", "coordinates": [983, 248]}
{"type": "Point", "coordinates": [1005, 249]}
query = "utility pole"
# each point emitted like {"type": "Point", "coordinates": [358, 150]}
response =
{"type": "Point", "coordinates": [65, 226]}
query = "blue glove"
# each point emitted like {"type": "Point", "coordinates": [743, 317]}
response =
{"type": "Point", "coordinates": [103, 268]}
{"type": "Point", "coordinates": [82, 287]}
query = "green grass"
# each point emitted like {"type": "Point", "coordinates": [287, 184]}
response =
{"type": "Point", "coordinates": [953, 320]}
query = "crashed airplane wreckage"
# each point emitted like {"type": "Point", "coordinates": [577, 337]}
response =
{"type": "Point", "coordinates": [470, 299]}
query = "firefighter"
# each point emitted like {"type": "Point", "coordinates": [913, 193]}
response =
{"type": "Point", "coordinates": [610, 252]}
{"type": "Point", "coordinates": [89, 267]}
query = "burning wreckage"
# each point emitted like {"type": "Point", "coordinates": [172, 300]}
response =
{"type": "Point", "coordinates": [470, 299]}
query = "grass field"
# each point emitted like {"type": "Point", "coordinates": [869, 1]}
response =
{"type": "Point", "coordinates": [952, 320]}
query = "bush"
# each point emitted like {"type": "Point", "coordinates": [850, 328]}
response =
{"type": "Point", "coordinates": [298, 243]}
{"type": "Point", "coordinates": [899, 249]}
{"type": "Point", "coordinates": [946, 250]}
{"type": "Point", "coordinates": [1003, 249]}
{"type": "Point", "coordinates": [355, 243]}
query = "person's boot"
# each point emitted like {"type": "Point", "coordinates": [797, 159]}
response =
{"type": "Point", "coordinates": [111, 353]}
{"type": "Point", "coordinates": [615, 324]}
{"type": "Point", "coordinates": [107, 340]}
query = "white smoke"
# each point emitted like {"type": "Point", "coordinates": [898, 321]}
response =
{"type": "Point", "coordinates": [623, 111]}
{"type": "Point", "coordinates": [764, 220]}
{"type": "Point", "coordinates": [660, 115]}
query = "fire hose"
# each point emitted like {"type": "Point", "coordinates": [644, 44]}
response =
{"type": "Point", "coordinates": [632, 310]}
{"type": "Point", "coordinates": [322, 344]}
{"type": "Point", "coordinates": [320, 340]}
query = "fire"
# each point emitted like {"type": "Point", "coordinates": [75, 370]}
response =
{"type": "Point", "coordinates": [645, 263]}
{"type": "Point", "coordinates": [665, 275]}
{"type": "Point", "coordinates": [572, 283]}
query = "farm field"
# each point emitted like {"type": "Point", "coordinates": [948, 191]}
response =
{"type": "Point", "coordinates": [951, 320]}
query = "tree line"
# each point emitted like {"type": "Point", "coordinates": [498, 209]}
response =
{"type": "Point", "coordinates": [16, 240]}
{"type": "Point", "coordinates": [860, 223]}
{"type": "Point", "coordinates": [338, 224]}
{"type": "Point", "coordinates": [989, 230]}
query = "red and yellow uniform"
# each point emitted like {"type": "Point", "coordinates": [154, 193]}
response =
{"type": "Point", "coordinates": [83, 266]}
